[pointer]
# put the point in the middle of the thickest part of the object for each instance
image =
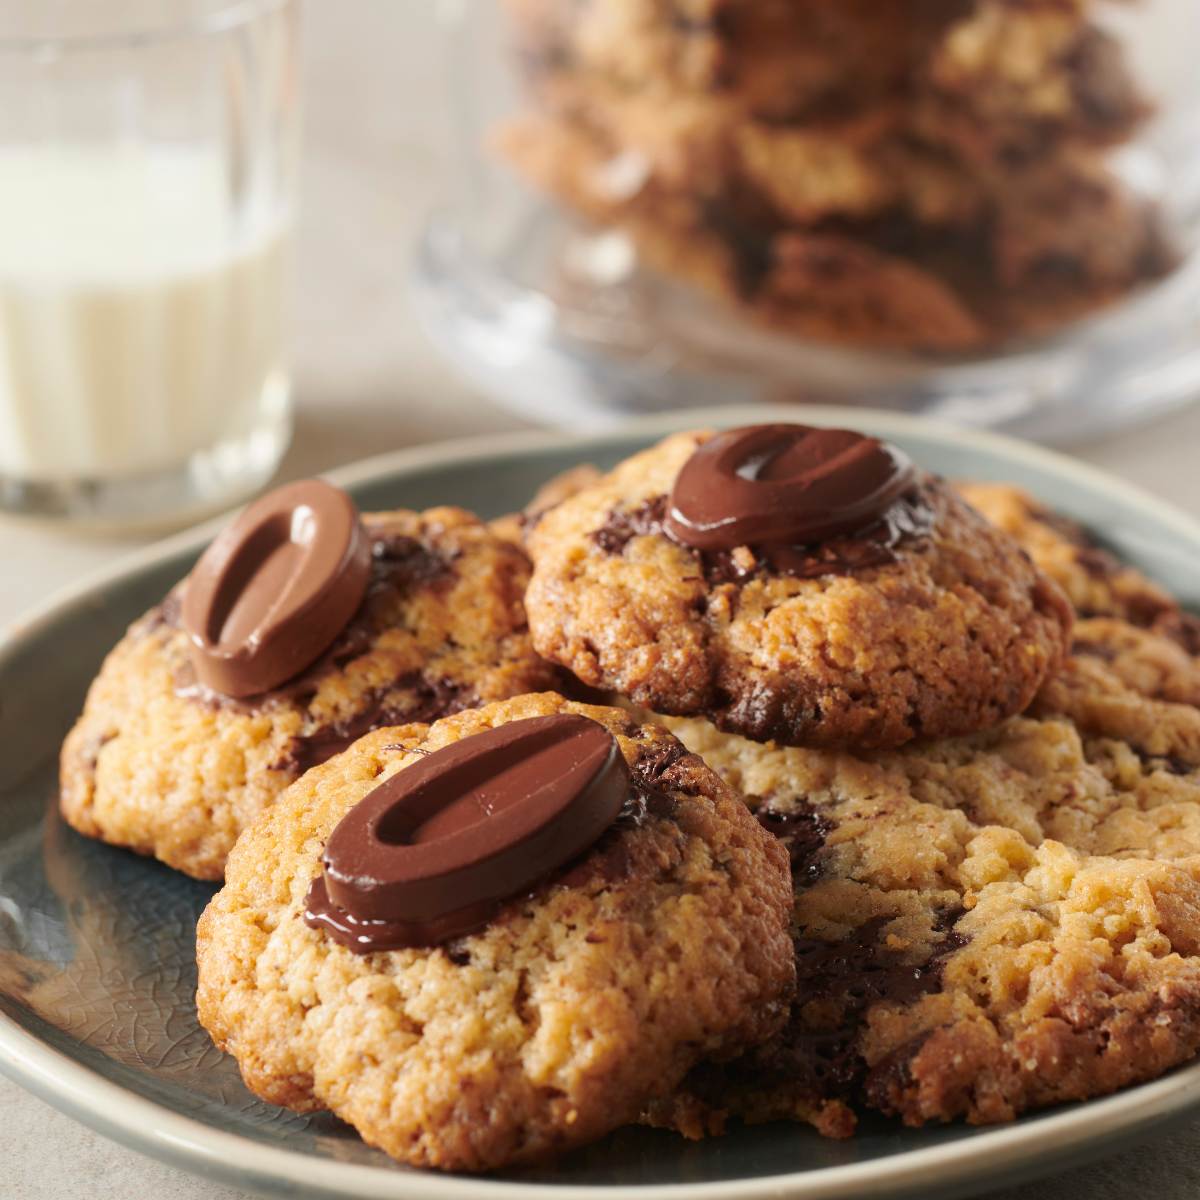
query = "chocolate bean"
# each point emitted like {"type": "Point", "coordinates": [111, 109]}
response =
{"type": "Point", "coordinates": [784, 484]}
{"type": "Point", "coordinates": [275, 588]}
{"type": "Point", "coordinates": [430, 853]}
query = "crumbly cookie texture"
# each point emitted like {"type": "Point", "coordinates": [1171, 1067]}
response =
{"type": "Point", "coordinates": [161, 765]}
{"type": "Point", "coordinates": [983, 925]}
{"type": "Point", "coordinates": [861, 172]}
{"type": "Point", "coordinates": [1096, 583]}
{"type": "Point", "coordinates": [1133, 684]}
{"type": "Point", "coordinates": [955, 635]}
{"type": "Point", "coordinates": [666, 942]}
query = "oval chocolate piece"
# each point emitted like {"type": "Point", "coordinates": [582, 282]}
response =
{"type": "Point", "coordinates": [784, 484]}
{"type": "Point", "coordinates": [276, 587]}
{"type": "Point", "coordinates": [428, 854]}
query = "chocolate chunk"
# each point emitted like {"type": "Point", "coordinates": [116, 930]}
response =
{"type": "Point", "coordinates": [844, 976]}
{"type": "Point", "coordinates": [848, 977]}
{"type": "Point", "coordinates": [430, 853]}
{"type": "Point", "coordinates": [784, 484]}
{"type": "Point", "coordinates": [803, 830]}
{"type": "Point", "coordinates": [625, 524]}
{"type": "Point", "coordinates": [908, 518]}
{"type": "Point", "coordinates": [423, 700]}
{"type": "Point", "coordinates": [398, 559]}
{"type": "Point", "coordinates": [652, 765]}
{"type": "Point", "coordinates": [889, 1078]}
{"type": "Point", "coordinates": [840, 979]}
{"type": "Point", "coordinates": [275, 588]}
{"type": "Point", "coordinates": [397, 562]}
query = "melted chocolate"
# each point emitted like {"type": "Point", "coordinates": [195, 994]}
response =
{"type": "Point", "coordinates": [608, 861]}
{"type": "Point", "coordinates": [367, 936]}
{"type": "Point", "coordinates": [421, 699]}
{"type": "Point", "coordinates": [397, 562]}
{"type": "Point", "coordinates": [908, 518]}
{"type": "Point", "coordinates": [850, 976]}
{"type": "Point", "coordinates": [397, 558]}
{"type": "Point", "coordinates": [641, 803]}
{"type": "Point", "coordinates": [275, 588]}
{"type": "Point", "coordinates": [624, 524]}
{"type": "Point", "coordinates": [841, 979]}
{"type": "Point", "coordinates": [784, 485]}
{"type": "Point", "coordinates": [432, 852]}
{"type": "Point", "coordinates": [892, 1074]}
{"type": "Point", "coordinates": [655, 761]}
{"type": "Point", "coordinates": [803, 831]}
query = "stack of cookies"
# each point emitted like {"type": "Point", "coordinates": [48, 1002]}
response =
{"type": "Point", "coordinates": [765, 777]}
{"type": "Point", "coordinates": [916, 174]}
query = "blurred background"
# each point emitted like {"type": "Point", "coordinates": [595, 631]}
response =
{"type": "Point", "coordinates": [374, 165]}
{"type": "Point", "coordinates": [373, 168]}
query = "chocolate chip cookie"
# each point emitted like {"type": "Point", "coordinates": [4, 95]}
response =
{"type": "Point", "coordinates": [874, 172]}
{"type": "Point", "coordinates": [927, 621]}
{"type": "Point", "coordinates": [164, 765]}
{"type": "Point", "coordinates": [983, 925]}
{"type": "Point", "coordinates": [1096, 582]}
{"type": "Point", "coordinates": [581, 999]}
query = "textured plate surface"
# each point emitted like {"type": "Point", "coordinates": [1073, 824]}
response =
{"type": "Point", "coordinates": [97, 972]}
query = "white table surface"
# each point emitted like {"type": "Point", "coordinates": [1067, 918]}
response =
{"type": "Point", "coordinates": [367, 382]}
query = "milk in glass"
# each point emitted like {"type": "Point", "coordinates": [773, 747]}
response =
{"type": "Point", "coordinates": [140, 321]}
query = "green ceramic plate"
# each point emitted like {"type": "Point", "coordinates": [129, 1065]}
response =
{"type": "Point", "coordinates": [96, 945]}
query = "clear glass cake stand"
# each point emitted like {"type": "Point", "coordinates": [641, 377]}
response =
{"type": "Point", "coordinates": [558, 316]}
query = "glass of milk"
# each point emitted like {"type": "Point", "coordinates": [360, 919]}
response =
{"type": "Point", "coordinates": [147, 179]}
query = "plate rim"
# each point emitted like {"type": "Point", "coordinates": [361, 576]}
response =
{"type": "Point", "coordinates": [193, 1145]}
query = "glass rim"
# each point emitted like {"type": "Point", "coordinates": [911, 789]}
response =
{"type": "Point", "coordinates": [223, 18]}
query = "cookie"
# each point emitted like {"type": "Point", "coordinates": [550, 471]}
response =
{"type": "Point", "coordinates": [812, 283]}
{"type": "Point", "coordinates": [1096, 582]}
{"type": "Point", "coordinates": [1067, 85]}
{"type": "Point", "coordinates": [1134, 684]}
{"type": "Point", "coordinates": [982, 926]}
{"type": "Point", "coordinates": [553, 1024]}
{"type": "Point", "coordinates": [867, 173]}
{"type": "Point", "coordinates": [952, 631]}
{"type": "Point", "coordinates": [167, 767]}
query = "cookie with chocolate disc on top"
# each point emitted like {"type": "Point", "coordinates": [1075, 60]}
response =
{"type": "Point", "coordinates": [302, 627]}
{"type": "Point", "coordinates": [809, 586]}
{"type": "Point", "coordinates": [489, 940]}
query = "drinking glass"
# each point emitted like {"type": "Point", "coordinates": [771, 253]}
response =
{"type": "Point", "coordinates": [148, 153]}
